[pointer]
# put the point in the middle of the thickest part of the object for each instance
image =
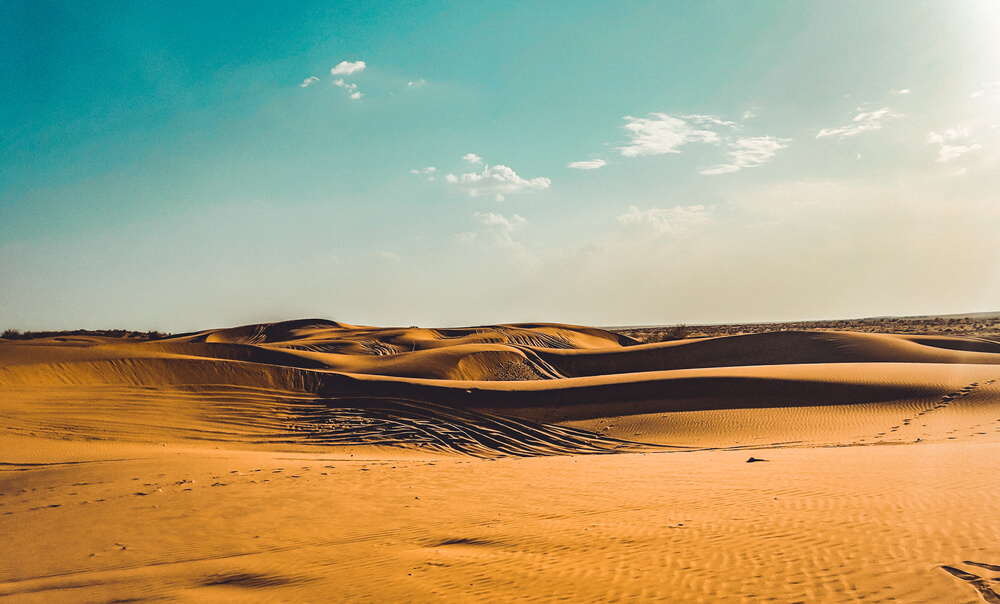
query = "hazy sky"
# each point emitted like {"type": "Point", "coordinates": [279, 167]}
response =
{"type": "Point", "coordinates": [168, 165]}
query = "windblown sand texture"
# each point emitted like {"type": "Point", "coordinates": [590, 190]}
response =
{"type": "Point", "coordinates": [317, 461]}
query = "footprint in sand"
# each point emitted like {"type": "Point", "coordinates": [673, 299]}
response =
{"type": "Point", "coordinates": [982, 585]}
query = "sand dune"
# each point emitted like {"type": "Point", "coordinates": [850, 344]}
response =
{"type": "Point", "coordinates": [323, 379]}
{"type": "Point", "coordinates": [343, 401]}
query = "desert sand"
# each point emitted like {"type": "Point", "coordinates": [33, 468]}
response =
{"type": "Point", "coordinates": [311, 460]}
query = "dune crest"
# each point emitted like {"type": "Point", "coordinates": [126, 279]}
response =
{"type": "Point", "coordinates": [314, 461]}
{"type": "Point", "coordinates": [525, 389]}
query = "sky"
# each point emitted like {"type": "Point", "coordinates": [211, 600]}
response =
{"type": "Point", "coordinates": [189, 165]}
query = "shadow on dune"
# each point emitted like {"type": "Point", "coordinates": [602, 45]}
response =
{"type": "Point", "coordinates": [484, 391]}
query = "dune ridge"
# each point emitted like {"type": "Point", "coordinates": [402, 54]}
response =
{"type": "Point", "coordinates": [319, 461]}
{"type": "Point", "coordinates": [525, 389]}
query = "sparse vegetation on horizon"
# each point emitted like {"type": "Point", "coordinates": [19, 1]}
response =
{"type": "Point", "coordinates": [952, 326]}
{"type": "Point", "coordinates": [16, 334]}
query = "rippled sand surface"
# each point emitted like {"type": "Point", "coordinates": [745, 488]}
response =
{"type": "Point", "coordinates": [318, 461]}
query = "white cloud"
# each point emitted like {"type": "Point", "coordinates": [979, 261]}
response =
{"type": "Point", "coordinates": [497, 220]}
{"type": "Point", "coordinates": [428, 170]}
{"type": "Point", "coordinates": [749, 153]}
{"type": "Point", "coordinates": [495, 180]}
{"type": "Point", "coordinates": [948, 152]}
{"type": "Point", "coordinates": [466, 237]}
{"type": "Point", "coordinates": [348, 68]}
{"type": "Point", "coordinates": [390, 256]}
{"type": "Point", "coordinates": [661, 133]}
{"type": "Point", "coordinates": [352, 89]}
{"type": "Point", "coordinates": [306, 82]}
{"type": "Point", "coordinates": [748, 115]}
{"type": "Point", "coordinates": [416, 83]}
{"type": "Point", "coordinates": [903, 91]}
{"type": "Point", "coordinates": [862, 122]}
{"type": "Point", "coordinates": [667, 220]}
{"type": "Point", "coordinates": [590, 164]}
{"type": "Point", "coordinates": [948, 135]}
{"type": "Point", "coordinates": [502, 229]}
{"type": "Point", "coordinates": [472, 158]}
{"type": "Point", "coordinates": [988, 87]}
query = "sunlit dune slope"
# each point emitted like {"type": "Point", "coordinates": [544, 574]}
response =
{"type": "Point", "coordinates": [518, 389]}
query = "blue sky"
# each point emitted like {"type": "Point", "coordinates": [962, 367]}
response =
{"type": "Point", "coordinates": [175, 166]}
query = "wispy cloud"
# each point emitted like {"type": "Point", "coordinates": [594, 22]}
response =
{"type": "Point", "coordinates": [496, 180]}
{"type": "Point", "coordinates": [590, 164]}
{"type": "Point", "coordinates": [749, 153]}
{"type": "Point", "coordinates": [352, 89]}
{"type": "Point", "coordinates": [948, 151]}
{"type": "Point", "coordinates": [472, 158]}
{"type": "Point", "coordinates": [862, 122]}
{"type": "Point", "coordinates": [308, 81]}
{"type": "Point", "coordinates": [498, 220]}
{"type": "Point", "coordinates": [987, 88]}
{"type": "Point", "coordinates": [669, 220]}
{"type": "Point", "coordinates": [390, 256]}
{"type": "Point", "coordinates": [502, 228]}
{"type": "Point", "coordinates": [348, 68]}
{"type": "Point", "coordinates": [429, 170]}
{"type": "Point", "coordinates": [416, 83]}
{"type": "Point", "coordinates": [661, 133]}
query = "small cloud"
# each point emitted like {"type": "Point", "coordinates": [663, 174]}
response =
{"type": "Point", "coordinates": [416, 84]}
{"type": "Point", "coordinates": [903, 91]}
{"type": "Point", "coordinates": [472, 158]}
{"type": "Point", "coordinates": [590, 164]}
{"type": "Point", "coordinates": [948, 152]}
{"type": "Point", "coordinates": [749, 153]}
{"type": "Point", "coordinates": [497, 220]}
{"type": "Point", "coordinates": [669, 220]}
{"type": "Point", "coordinates": [499, 198]}
{"type": "Point", "coordinates": [987, 88]}
{"type": "Point", "coordinates": [428, 170]}
{"type": "Point", "coordinates": [749, 115]}
{"type": "Point", "coordinates": [352, 89]}
{"type": "Point", "coordinates": [496, 180]}
{"type": "Point", "coordinates": [308, 81]}
{"type": "Point", "coordinates": [502, 229]}
{"type": "Point", "coordinates": [948, 135]}
{"type": "Point", "coordinates": [661, 133]}
{"type": "Point", "coordinates": [390, 256]}
{"type": "Point", "coordinates": [348, 68]}
{"type": "Point", "coordinates": [862, 122]}
{"type": "Point", "coordinates": [466, 237]}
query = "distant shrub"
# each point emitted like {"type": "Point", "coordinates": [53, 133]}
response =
{"type": "Point", "coordinates": [679, 331]}
{"type": "Point", "coordinates": [11, 334]}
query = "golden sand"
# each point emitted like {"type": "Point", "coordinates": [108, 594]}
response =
{"type": "Point", "coordinates": [317, 461]}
